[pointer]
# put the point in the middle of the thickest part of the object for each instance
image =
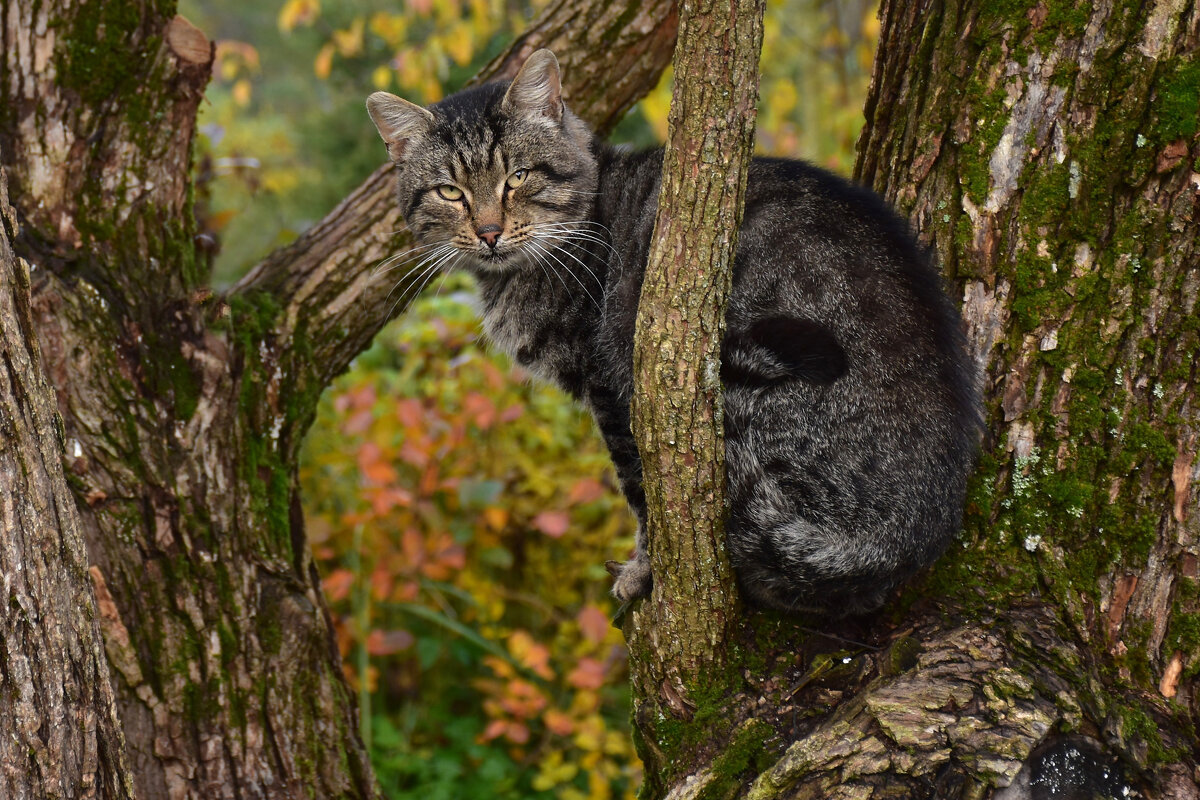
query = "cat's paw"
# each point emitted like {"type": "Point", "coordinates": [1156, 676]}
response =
{"type": "Point", "coordinates": [632, 579]}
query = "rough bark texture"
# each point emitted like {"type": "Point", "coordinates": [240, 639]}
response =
{"type": "Point", "coordinates": [680, 637]}
{"type": "Point", "coordinates": [183, 412]}
{"type": "Point", "coordinates": [59, 733]}
{"type": "Point", "coordinates": [1048, 153]}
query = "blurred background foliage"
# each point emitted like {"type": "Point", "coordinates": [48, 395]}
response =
{"type": "Point", "coordinates": [461, 514]}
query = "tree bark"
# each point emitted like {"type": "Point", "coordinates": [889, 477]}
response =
{"type": "Point", "coordinates": [1048, 154]}
{"type": "Point", "coordinates": [183, 412]}
{"type": "Point", "coordinates": [58, 738]}
{"type": "Point", "coordinates": [680, 637]}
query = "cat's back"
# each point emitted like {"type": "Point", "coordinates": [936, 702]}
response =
{"type": "Point", "coordinates": [816, 246]}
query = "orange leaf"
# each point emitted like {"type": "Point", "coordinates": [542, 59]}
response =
{"type": "Point", "coordinates": [517, 733]}
{"type": "Point", "coordinates": [558, 722]}
{"type": "Point", "coordinates": [494, 728]}
{"type": "Point", "coordinates": [589, 674]}
{"type": "Point", "coordinates": [411, 413]}
{"type": "Point", "coordinates": [381, 583]}
{"type": "Point", "coordinates": [587, 490]}
{"type": "Point", "coordinates": [406, 592]}
{"type": "Point", "coordinates": [383, 643]}
{"type": "Point", "coordinates": [496, 518]}
{"type": "Point", "coordinates": [337, 584]}
{"type": "Point", "coordinates": [593, 622]}
{"type": "Point", "coordinates": [323, 63]}
{"type": "Point", "coordinates": [413, 545]}
{"type": "Point", "coordinates": [480, 409]}
{"type": "Point", "coordinates": [531, 654]}
{"type": "Point", "coordinates": [552, 523]}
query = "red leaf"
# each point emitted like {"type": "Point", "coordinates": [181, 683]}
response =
{"type": "Point", "coordinates": [337, 584]}
{"type": "Point", "coordinates": [587, 490]}
{"type": "Point", "coordinates": [411, 413]}
{"type": "Point", "coordinates": [552, 523]}
{"type": "Point", "coordinates": [480, 409]}
{"type": "Point", "coordinates": [593, 622]}
{"type": "Point", "coordinates": [588, 675]}
{"type": "Point", "coordinates": [383, 643]}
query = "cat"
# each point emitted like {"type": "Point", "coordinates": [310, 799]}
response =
{"type": "Point", "coordinates": [851, 408]}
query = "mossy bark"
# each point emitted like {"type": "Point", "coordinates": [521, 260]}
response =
{"type": "Point", "coordinates": [49, 620]}
{"type": "Point", "coordinates": [183, 411]}
{"type": "Point", "coordinates": [1048, 153]}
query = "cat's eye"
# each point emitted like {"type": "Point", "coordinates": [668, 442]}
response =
{"type": "Point", "coordinates": [448, 192]}
{"type": "Point", "coordinates": [517, 178]}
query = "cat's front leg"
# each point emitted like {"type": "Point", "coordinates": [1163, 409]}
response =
{"type": "Point", "coordinates": [632, 578]}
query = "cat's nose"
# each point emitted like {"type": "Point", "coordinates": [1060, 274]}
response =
{"type": "Point", "coordinates": [489, 234]}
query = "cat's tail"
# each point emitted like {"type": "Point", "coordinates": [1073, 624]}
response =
{"type": "Point", "coordinates": [799, 567]}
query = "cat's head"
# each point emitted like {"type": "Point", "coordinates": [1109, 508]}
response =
{"type": "Point", "coordinates": [500, 173]}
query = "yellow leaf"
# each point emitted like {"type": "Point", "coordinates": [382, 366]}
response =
{"type": "Point", "coordinates": [324, 62]}
{"type": "Point", "coordinates": [781, 97]}
{"type": "Point", "coordinates": [389, 27]}
{"type": "Point", "coordinates": [349, 42]}
{"type": "Point", "coordinates": [298, 12]}
{"type": "Point", "coordinates": [381, 78]}
{"type": "Point", "coordinates": [241, 92]}
{"type": "Point", "coordinates": [460, 45]}
{"type": "Point", "coordinates": [870, 25]}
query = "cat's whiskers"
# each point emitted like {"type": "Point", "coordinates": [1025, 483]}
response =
{"type": "Point", "coordinates": [556, 246]}
{"type": "Point", "coordinates": [534, 242]}
{"type": "Point", "coordinates": [577, 231]}
{"type": "Point", "coordinates": [429, 269]}
{"type": "Point", "coordinates": [400, 259]}
{"type": "Point", "coordinates": [540, 260]}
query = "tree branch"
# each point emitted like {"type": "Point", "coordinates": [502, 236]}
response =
{"type": "Point", "coordinates": [333, 303]}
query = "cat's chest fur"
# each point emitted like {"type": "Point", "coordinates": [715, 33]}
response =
{"type": "Point", "coordinates": [533, 318]}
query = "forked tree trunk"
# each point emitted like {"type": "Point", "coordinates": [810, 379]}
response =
{"type": "Point", "coordinates": [183, 412]}
{"type": "Point", "coordinates": [1049, 155]}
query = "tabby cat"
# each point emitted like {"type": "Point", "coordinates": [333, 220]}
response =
{"type": "Point", "coordinates": [851, 411]}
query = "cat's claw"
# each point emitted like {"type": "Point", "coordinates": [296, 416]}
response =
{"type": "Point", "coordinates": [632, 578]}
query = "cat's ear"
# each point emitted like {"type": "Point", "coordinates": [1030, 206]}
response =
{"type": "Point", "coordinates": [536, 92]}
{"type": "Point", "coordinates": [398, 121]}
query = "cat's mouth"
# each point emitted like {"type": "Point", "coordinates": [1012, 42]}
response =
{"type": "Point", "coordinates": [493, 257]}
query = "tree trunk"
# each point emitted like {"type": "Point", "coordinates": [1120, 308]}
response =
{"type": "Point", "coordinates": [1048, 153]}
{"type": "Point", "coordinates": [680, 637]}
{"type": "Point", "coordinates": [57, 738]}
{"type": "Point", "coordinates": [183, 412]}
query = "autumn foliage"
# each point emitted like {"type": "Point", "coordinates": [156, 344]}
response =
{"type": "Point", "coordinates": [443, 486]}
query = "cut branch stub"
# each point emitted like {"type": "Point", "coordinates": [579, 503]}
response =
{"type": "Point", "coordinates": [97, 115]}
